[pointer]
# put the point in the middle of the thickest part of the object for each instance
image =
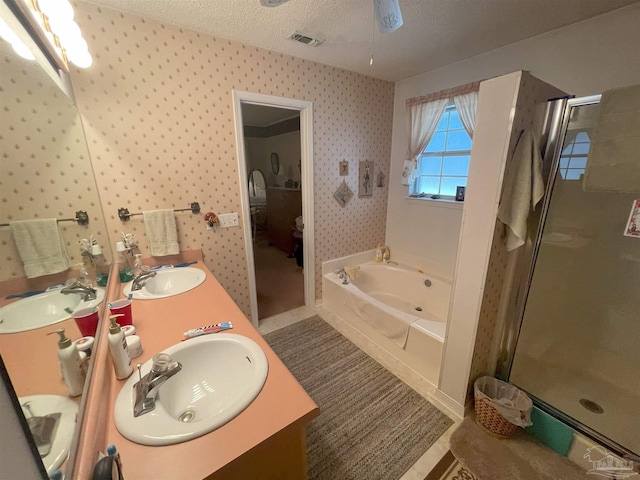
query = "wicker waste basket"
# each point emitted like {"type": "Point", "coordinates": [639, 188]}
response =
{"type": "Point", "coordinates": [500, 407]}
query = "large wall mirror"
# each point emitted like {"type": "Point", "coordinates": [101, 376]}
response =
{"type": "Point", "coordinates": [45, 172]}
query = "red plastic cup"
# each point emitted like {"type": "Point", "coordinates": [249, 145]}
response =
{"type": "Point", "coordinates": [87, 321]}
{"type": "Point", "coordinates": [123, 307]}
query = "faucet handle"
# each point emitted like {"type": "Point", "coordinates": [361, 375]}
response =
{"type": "Point", "coordinates": [161, 362]}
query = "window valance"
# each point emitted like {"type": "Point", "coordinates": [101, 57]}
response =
{"type": "Point", "coordinates": [447, 93]}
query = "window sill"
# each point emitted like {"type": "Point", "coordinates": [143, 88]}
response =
{"type": "Point", "coordinates": [435, 202]}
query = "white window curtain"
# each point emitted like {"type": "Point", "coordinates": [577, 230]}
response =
{"type": "Point", "coordinates": [466, 106]}
{"type": "Point", "coordinates": [423, 120]}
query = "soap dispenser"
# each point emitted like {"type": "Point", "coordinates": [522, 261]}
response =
{"type": "Point", "coordinates": [378, 256]}
{"type": "Point", "coordinates": [70, 364]}
{"type": "Point", "coordinates": [118, 349]}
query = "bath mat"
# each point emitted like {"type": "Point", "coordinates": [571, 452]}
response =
{"type": "Point", "coordinates": [371, 425]}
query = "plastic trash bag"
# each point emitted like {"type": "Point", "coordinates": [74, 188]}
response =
{"type": "Point", "coordinates": [512, 403]}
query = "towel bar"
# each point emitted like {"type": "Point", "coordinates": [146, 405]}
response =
{"type": "Point", "coordinates": [82, 217]}
{"type": "Point", "coordinates": [124, 214]}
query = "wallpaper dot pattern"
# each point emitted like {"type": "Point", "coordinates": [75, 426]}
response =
{"type": "Point", "coordinates": [45, 167]}
{"type": "Point", "coordinates": [157, 107]}
{"type": "Point", "coordinates": [532, 92]}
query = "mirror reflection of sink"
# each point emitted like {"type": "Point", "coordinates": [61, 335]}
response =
{"type": "Point", "coordinates": [168, 282]}
{"type": "Point", "coordinates": [221, 375]}
{"type": "Point", "coordinates": [52, 419]}
{"type": "Point", "coordinates": [42, 310]}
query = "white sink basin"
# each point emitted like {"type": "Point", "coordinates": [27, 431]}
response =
{"type": "Point", "coordinates": [42, 310]}
{"type": "Point", "coordinates": [221, 375]}
{"type": "Point", "coordinates": [43, 405]}
{"type": "Point", "coordinates": [167, 283]}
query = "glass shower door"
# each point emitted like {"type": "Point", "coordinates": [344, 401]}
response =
{"type": "Point", "coordinates": [578, 348]}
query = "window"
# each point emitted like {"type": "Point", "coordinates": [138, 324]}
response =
{"type": "Point", "coordinates": [444, 164]}
{"type": "Point", "coordinates": [573, 159]}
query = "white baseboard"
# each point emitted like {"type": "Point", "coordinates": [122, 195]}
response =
{"type": "Point", "coordinates": [449, 403]}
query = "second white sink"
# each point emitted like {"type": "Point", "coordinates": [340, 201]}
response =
{"type": "Point", "coordinates": [221, 375]}
{"type": "Point", "coordinates": [42, 310]}
{"type": "Point", "coordinates": [167, 283]}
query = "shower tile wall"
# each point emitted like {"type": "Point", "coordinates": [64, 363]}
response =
{"type": "Point", "coordinates": [158, 113]}
{"type": "Point", "coordinates": [46, 172]}
{"type": "Point", "coordinates": [532, 92]}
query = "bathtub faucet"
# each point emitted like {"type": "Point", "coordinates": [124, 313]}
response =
{"type": "Point", "coordinates": [343, 276]}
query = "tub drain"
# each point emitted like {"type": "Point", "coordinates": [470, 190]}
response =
{"type": "Point", "coordinates": [591, 405]}
{"type": "Point", "coordinates": [187, 416]}
{"type": "Point", "coordinates": [418, 309]}
{"type": "Point", "coordinates": [427, 283]}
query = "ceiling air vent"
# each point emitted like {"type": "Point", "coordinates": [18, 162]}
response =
{"type": "Point", "coordinates": [302, 38]}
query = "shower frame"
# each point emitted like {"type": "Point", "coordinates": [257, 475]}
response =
{"type": "Point", "coordinates": [555, 128]}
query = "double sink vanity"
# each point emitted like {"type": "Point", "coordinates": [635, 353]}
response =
{"type": "Point", "coordinates": [229, 408]}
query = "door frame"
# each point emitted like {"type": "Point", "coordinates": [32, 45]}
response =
{"type": "Point", "coordinates": [306, 177]}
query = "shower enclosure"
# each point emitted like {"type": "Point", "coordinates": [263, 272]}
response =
{"type": "Point", "coordinates": [578, 343]}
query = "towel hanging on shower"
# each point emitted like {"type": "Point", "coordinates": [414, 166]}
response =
{"type": "Point", "coordinates": [523, 189]}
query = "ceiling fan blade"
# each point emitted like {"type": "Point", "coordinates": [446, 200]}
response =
{"type": "Point", "coordinates": [388, 15]}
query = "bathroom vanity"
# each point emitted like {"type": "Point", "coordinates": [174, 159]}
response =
{"type": "Point", "coordinates": [266, 440]}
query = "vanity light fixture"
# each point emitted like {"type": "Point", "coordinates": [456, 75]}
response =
{"type": "Point", "coordinates": [55, 17]}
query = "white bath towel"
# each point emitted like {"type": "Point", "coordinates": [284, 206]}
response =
{"type": "Point", "coordinates": [523, 189]}
{"type": "Point", "coordinates": [162, 233]}
{"type": "Point", "coordinates": [613, 164]}
{"type": "Point", "coordinates": [40, 246]}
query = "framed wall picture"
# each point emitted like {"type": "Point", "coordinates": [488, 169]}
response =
{"type": "Point", "coordinates": [343, 194]}
{"type": "Point", "coordinates": [365, 179]}
{"type": "Point", "coordinates": [344, 168]}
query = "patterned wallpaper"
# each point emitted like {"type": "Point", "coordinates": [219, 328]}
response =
{"type": "Point", "coordinates": [45, 170]}
{"type": "Point", "coordinates": [157, 107]}
{"type": "Point", "coordinates": [532, 93]}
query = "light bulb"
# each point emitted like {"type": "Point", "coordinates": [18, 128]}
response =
{"type": "Point", "coordinates": [22, 50]}
{"type": "Point", "coordinates": [81, 59]}
{"type": "Point", "coordinates": [56, 9]}
{"type": "Point", "coordinates": [65, 28]}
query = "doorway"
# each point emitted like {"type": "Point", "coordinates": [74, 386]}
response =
{"type": "Point", "coordinates": [275, 169]}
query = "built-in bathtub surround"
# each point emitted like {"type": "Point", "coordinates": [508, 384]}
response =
{"type": "Point", "coordinates": [400, 306]}
{"type": "Point", "coordinates": [157, 102]}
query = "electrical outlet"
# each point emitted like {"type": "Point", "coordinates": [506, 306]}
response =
{"type": "Point", "coordinates": [228, 220]}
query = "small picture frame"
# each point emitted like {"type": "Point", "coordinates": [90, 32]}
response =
{"type": "Point", "coordinates": [365, 179]}
{"type": "Point", "coordinates": [344, 168]}
{"type": "Point", "coordinates": [380, 179]}
{"type": "Point", "coordinates": [343, 194]}
{"type": "Point", "coordinates": [460, 191]}
{"type": "Point", "coordinates": [632, 228]}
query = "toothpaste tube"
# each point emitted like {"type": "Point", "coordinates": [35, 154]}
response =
{"type": "Point", "coordinates": [196, 332]}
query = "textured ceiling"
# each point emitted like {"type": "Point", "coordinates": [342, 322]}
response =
{"type": "Point", "coordinates": [435, 32]}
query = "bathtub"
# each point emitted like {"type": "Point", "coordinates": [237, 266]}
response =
{"type": "Point", "coordinates": [399, 307]}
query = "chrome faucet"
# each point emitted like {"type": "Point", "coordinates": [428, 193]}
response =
{"type": "Point", "coordinates": [343, 276]}
{"type": "Point", "coordinates": [146, 390]}
{"type": "Point", "coordinates": [141, 278]}
{"type": "Point", "coordinates": [73, 285]}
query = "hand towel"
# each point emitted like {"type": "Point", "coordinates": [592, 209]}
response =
{"type": "Point", "coordinates": [40, 246]}
{"type": "Point", "coordinates": [524, 188]}
{"type": "Point", "coordinates": [613, 164]}
{"type": "Point", "coordinates": [162, 232]}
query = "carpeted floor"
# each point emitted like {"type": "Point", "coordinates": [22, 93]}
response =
{"type": "Point", "coordinates": [279, 281]}
{"type": "Point", "coordinates": [371, 425]}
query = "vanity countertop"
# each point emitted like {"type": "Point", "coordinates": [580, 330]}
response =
{"type": "Point", "coordinates": [281, 404]}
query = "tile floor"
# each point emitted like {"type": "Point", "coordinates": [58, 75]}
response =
{"type": "Point", "coordinates": [436, 452]}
